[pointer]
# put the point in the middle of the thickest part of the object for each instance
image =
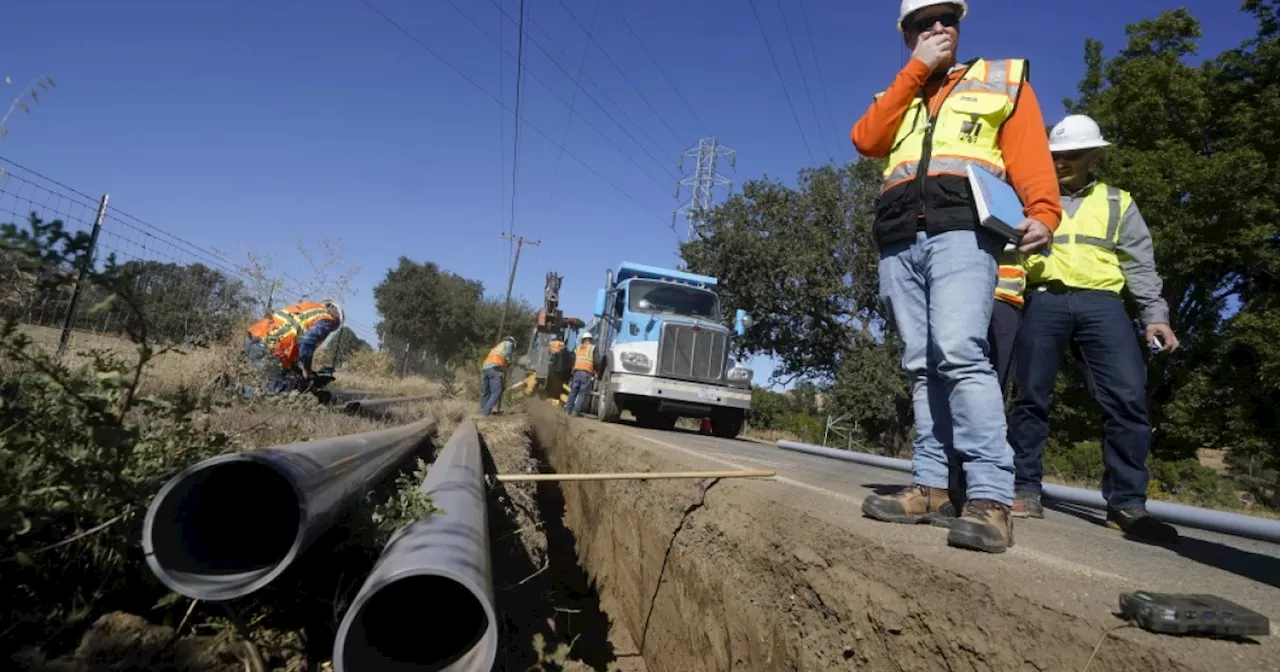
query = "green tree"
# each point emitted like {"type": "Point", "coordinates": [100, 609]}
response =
{"type": "Point", "coordinates": [342, 345]}
{"type": "Point", "coordinates": [1198, 147]}
{"type": "Point", "coordinates": [427, 308]}
{"type": "Point", "coordinates": [802, 261]}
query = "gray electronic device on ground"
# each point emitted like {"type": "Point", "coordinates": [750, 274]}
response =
{"type": "Point", "coordinates": [1203, 615]}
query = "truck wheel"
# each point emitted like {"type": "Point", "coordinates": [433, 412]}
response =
{"type": "Point", "coordinates": [727, 424]}
{"type": "Point", "coordinates": [607, 410]}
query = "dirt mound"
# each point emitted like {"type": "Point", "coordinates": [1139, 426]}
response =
{"type": "Point", "coordinates": [119, 641]}
{"type": "Point", "coordinates": [715, 576]}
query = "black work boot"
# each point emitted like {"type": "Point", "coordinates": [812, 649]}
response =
{"type": "Point", "coordinates": [1027, 505]}
{"type": "Point", "coordinates": [1137, 523]}
{"type": "Point", "coordinates": [912, 504]}
{"type": "Point", "coordinates": [985, 526]}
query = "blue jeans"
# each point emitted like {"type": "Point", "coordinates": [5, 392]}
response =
{"type": "Point", "coordinates": [272, 378]}
{"type": "Point", "coordinates": [938, 291]}
{"type": "Point", "coordinates": [1101, 335]}
{"type": "Point", "coordinates": [490, 389]}
{"type": "Point", "coordinates": [579, 390]}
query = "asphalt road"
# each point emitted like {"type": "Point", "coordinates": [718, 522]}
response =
{"type": "Point", "coordinates": [1069, 560]}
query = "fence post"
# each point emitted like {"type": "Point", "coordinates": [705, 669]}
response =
{"type": "Point", "coordinates": [84, 270]}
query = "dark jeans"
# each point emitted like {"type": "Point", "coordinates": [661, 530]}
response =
{"type": "Point", "coordinates": [271, 376]}
{"type": "Point", "coordinates": [490, 389]}
{"type": "Point", "coordinates": [579, 390]}
{"type": "Point", "coordinates": [1001, 336]}
{"type": "Point", "coordinates": [1095, 325]}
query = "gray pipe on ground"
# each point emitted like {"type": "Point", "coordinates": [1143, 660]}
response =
{"type": "Point", "coordinates": [225, 527]}
{"type": "Point", "coordinates": [1178, 514]}
{"type": "Point", "coordinates": [374, 406]}
{"type": "Point", "coordinates": [428, 604]}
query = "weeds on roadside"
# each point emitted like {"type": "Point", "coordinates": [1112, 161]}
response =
{"type": "Point", "coordinates": [81, 452]}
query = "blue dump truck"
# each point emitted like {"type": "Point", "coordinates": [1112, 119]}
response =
{"type": "Point", "coordinates": [666, 351]}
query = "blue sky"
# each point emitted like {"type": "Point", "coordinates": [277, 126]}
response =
{"type": "Point", "coordinates": [245, 124]}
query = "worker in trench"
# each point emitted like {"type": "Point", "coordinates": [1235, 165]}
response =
{"type": "Point", "coordinates": [938, 268]}
{"type": "Point", "coordinates": [282, 345]}
{"type": "Point", "coordinates": [1073, 298]}
{"type": "Point", "coordinates": [491, 373]}
{"type": "Point", "coordinates": [584, 375]}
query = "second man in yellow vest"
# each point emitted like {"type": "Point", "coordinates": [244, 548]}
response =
{"type": "Point", "coordinates": [1074, 300]}
{"type": "Point", "coordinates": [584, 374]}
{"type": "Point", "coordinates": [495, 365]}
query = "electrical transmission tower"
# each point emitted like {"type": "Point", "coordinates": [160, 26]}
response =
{"type": "Point", "coordinates": [702, 181]}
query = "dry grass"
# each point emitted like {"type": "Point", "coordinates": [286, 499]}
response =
{"type": "Point", "coordinates": [372, 371]}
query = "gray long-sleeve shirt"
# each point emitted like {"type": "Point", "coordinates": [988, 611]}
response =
{"type": "Point", "coordinates": [1137, 257]}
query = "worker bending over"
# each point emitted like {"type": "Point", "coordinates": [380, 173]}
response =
{"type": "Point", "coordinates": [495, 365]}
{"type": "Point", "coordinates": [584, 374]}
{"type": "Point", "coordinates": [1103, 246]}
{"type": "Point", "coordinates": [938, 270]}
{"type": "Point", "coordinates": [287, 339]}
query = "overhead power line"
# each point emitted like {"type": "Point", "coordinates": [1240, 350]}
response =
{"type": "Point", "coordinates": [627, 155]}
{"type": "Point", "coordinates": [662, 72]}
{"type": "Point", "coordinates": [782, 81]}
{"type": "Point", "coordinates": [795, 53]}
{"type": "Point", "coordinates": [427, 48]}
{"type": "Point", "coordinates": [515, 150]}
{"type": "Point", "coordinates": [822, 82]}
{"type": "Point", "coordinates": [622, 72]}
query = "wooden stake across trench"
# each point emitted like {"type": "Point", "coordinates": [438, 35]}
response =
{"type": "Point", "coordinates": [637, 475]}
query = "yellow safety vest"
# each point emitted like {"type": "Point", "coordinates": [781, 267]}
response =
{"type": "Point", "coordinates": [1084, 246]}
{"type": "Point", "coordinates": [967, 128]}
{"type": "Point", "coordinates": [585, 358]}
{"type": "Point", "coordinates": [497, 356]}
{"type": "Point", "coordinates": [282, 331]}
{"type": "Point", "coordinates": [1012, 282]}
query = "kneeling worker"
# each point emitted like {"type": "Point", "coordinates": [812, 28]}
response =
{"type": "Point", "coordinates": [584, 374]}
{"type": "Point", "coordinates": [495, 365]}
{"type": "Point", "coordinates": [1073, 298]}
{"type": "Point", "coordinates": [290, 336]}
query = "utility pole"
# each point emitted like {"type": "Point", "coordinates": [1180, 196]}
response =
{"type": "Point", "coordinates": [702, 181]}
{"type": "Point", "coordinates": [520, 242]}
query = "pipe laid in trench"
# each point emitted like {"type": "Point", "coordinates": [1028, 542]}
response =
{"type": "Point", "coordinates": [1224, 522]}
{"type": "Point", "coordinates": [225, 527]}
{"type": "Point", "coordinates": [375, 406]}
{"type": "Point", "coordinates": [428, 604]}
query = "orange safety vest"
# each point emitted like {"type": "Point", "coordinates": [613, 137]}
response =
{"type": "Point", "coordinates": [556, 346]}
{"type": "Point", "coordinates": [1011, 284]}
{"type": "Point", "coordinates": [497, 356]}
{"type": "Point", "coordinates": [585, 358]}
{"type": "Point", "coordinates": [281, 332]}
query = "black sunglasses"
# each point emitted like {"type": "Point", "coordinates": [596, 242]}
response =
{"type": "Point", "coordinates": [948, 20]}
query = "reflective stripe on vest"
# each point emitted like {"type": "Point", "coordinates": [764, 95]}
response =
{"type": "Point", "coordinates": [282, 331]}
{"type": "Point", "coordinates": [497, 356]}
{"type": "Point", "coordinates": [967, 129]}
{"type": "Point", "coordinates": [1084, 246]}
{"type": "Point", "coordinates": [585, 358]}
{"type": "Point", "coordinates": [1012, 280]}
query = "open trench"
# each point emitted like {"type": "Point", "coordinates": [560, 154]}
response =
{"type": "Point", "coordinates": [711, 575]}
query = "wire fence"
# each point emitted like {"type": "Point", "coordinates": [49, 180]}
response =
{"type": "Point", "coordinates": [180, 292]}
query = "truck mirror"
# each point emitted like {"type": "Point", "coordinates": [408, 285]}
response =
{"type": "Point", "coordinates": [598, 311]}
{"type": "Point", "coordinates": [741, 322]}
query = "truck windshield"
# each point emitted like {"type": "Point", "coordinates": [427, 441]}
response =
{"type": "Point", "coordinates": [664, 297]}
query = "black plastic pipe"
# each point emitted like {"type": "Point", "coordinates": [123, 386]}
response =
{"type": "Point", "coordinates": [377, 406]}
{"type": "Point", "coordinates": [225, 527]}
{"type": "Point", "coordinates": [428, 604]}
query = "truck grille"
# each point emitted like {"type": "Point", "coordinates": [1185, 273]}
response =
{"type": "Point", "coordinates": [689, 354]}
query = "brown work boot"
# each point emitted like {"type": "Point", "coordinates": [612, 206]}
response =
{"type": "Point", "coordinates": [984, 526]}
{"type": "Point", "coordinates": [910, 505]}
{"type": "Point", "coordinates": [1027, 505]}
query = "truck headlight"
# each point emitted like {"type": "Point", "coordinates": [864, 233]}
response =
{"type": "Point", "coordinates": [740, 375]}
{"type": "Point", "coordinates": [634, 361]}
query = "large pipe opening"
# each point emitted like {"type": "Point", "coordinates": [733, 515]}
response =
{"type": "Point", "coordinates": [222, 529]}
{"type": "Point", "coordinates": [423, 623]}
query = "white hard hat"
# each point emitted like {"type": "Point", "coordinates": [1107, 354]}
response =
{"type": "Point", "coordinates": [334, 308]}
{"type": "Point", "coordinates": [909, 6]}
{"type": "Point", "coordinates": [587, 337]}
{"type": "Point", "coordinates": [1076, 132]}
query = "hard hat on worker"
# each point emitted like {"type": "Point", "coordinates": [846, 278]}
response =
{"type": "Point", "coordinates": [1074, 133]}
{"type": "Point", "coordinates": [910, 6]}
{"type": "Point", "coordinates": [586, 337]}
{"type": "Point", "coordinates": [509, 338]}
{"type": "Point", "coordinates": [334, 308]}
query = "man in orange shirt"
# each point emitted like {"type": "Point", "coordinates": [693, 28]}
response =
{"type": "Point", "coordinates": [938, 269]}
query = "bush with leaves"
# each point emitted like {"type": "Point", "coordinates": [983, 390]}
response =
{"type": "Point", "coordinates": [81, 453]}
